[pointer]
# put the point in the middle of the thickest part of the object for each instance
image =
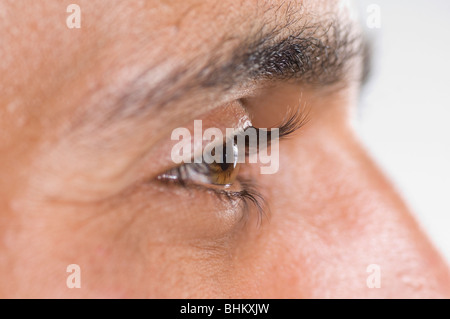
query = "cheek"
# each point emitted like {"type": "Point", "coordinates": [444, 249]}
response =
{"type": "Point", "coordinates": [119, 256]}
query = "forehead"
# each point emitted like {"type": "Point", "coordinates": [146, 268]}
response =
{"type": "Point", "coordinates": [156, 28]}
{"type": "Point", "coordinates": [118, 39]}
{"type": "Point", "coordinates": [60, 77]}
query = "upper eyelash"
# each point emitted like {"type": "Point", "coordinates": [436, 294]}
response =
{"type": "Point", "coordinates": [293, 121]}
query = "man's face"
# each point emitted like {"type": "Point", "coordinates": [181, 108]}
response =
{"type": "Point", "coordinates": [87, 116]}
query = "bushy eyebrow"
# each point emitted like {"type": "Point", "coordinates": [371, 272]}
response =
{"type": "Point", "coordinates": [318, 53]}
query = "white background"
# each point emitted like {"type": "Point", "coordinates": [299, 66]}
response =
{"type": "Point", "coordinates": [405, 109]}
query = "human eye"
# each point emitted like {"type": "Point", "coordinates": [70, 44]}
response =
{"type": "Point", "coordinates": [220, 175]}
{"type": "Point", "coordinates": [228, 178]}
{"type": "Point", "coordinates": [220, 179]}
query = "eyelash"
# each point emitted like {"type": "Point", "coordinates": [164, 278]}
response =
{"type": "Point", "coordinates": [249, 194]}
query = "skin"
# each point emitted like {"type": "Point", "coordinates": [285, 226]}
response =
{"type": "Point", "coordinates": [89, 195]}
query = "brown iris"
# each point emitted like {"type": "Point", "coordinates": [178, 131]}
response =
{"type": "Point", "coordinates": [223, 173]}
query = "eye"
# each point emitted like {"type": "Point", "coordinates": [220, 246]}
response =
{"type": "Point", "coordinates": [219, 174]}
{"type": "Point", "coordinates": [221, 177]}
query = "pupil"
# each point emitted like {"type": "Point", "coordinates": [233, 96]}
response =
{"type": "Point", "coordinates": [224, 166]}
{"type": "Point", "coordinates": [227, 162]}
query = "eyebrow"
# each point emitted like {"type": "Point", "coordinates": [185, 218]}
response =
{"type": "Point", "coordinates": [318, 54]}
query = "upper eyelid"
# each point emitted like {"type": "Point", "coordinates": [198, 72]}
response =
{"type": "Point", "coordinates": [293, 121]}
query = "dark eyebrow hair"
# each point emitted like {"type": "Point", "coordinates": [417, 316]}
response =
{"type": "Point", "coordinates": [315, 53]}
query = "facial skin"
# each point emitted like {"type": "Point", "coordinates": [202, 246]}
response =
{"type": "Point", "coordinates": [86, 117]}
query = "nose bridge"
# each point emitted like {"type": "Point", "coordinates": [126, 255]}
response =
{"type": "Point", "coordinates": [346, 221]}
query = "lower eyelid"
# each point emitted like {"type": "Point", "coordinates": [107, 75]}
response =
{"type": "Point", "coordinates": [248, 198]}
{"type": "Point", "coordinates": [243, 196]}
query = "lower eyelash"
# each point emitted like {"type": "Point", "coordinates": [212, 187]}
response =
{"type": "Point", "coordinates": [249, 195]}
{"type": "Point", "coordinates": [249, 198]}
